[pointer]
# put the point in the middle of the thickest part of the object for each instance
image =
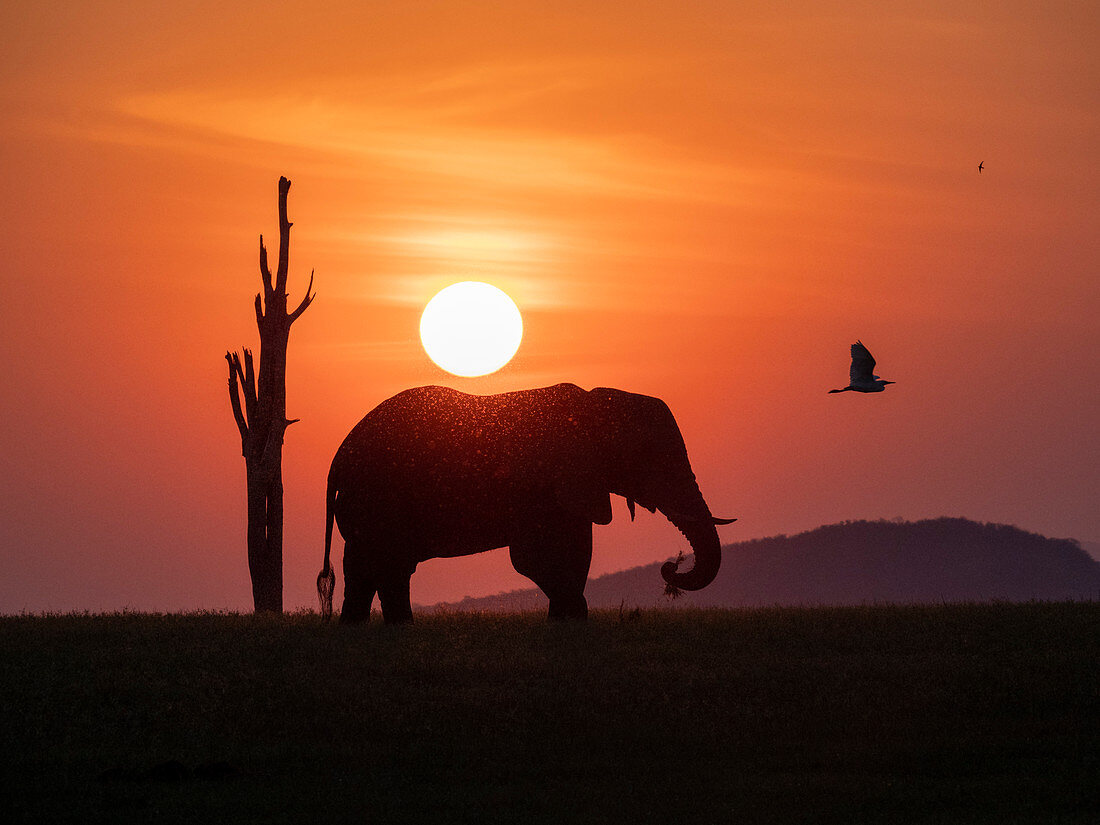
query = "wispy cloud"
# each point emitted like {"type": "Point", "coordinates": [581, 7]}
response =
{"type": "Point", "coordinates": [449, 128]}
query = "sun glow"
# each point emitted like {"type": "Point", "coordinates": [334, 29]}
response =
{"type": "Point", "coordinates": [471, 328]}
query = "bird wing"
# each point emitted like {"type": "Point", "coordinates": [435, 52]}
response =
{"type": "Point", "coordinates": [863, 364]}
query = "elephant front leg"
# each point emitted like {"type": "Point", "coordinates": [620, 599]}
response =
{"type": "Point", "coordinates": [556, 556]}
{"type": "Point", "coordinates": [393, 593]}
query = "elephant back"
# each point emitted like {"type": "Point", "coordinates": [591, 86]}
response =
{"type": "Point", "coordinates": [452, 450]}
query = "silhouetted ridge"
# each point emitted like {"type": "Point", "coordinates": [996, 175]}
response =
{"type": "Point", "coordinates": [856, 562]}
{"type": "Point", "coordinates": [1092, 548]}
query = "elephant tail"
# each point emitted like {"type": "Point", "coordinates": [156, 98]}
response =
{"type": "Point", "coordinates": [326, 579]}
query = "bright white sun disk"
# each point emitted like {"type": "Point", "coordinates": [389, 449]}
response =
{"type": "Point", "coordinates": [471, 328]}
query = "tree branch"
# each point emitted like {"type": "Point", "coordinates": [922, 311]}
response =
{"type": "Point", "coordinates": [305, 301]}
{"type": "Point", "coordinates": [284, 238]}
{"type": "Point", "coordinates": [235, 397]}
{"type": "Point", "coordinates": [248, 381]}
{"type": "Point", "coordinates": [235, 363]}
{"type": "Point", "coordinates": [265, 273]}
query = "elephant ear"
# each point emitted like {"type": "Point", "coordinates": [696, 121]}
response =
{"type": "Point", "coordinates": [581, 486]}
{"type": "Point", "coordinates": [583, 495]}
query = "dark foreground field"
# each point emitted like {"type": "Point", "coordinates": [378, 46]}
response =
{"type": "Point", "coordinates": [878, 714]}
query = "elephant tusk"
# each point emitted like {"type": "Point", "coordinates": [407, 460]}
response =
{"type": "Point", "coordinates": [677, 516]}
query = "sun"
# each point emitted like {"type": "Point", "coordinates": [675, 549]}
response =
{"type": "Point", "coordinates": [471, 328]}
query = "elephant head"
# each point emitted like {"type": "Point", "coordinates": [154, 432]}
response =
{"type": "Point", "coordinates": [640, 455]}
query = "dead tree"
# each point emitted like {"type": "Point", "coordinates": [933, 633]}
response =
{"type": "Point", "coordinates": [262, 421]}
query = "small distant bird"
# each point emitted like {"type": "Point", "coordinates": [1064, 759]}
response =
{"type": "Point", "coordinates": [981, 166]}
{"type": "Point", "coordinates": [861, 377]}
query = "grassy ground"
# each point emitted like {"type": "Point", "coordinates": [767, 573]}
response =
{"type": "Point", "coordinates": [878, 714]}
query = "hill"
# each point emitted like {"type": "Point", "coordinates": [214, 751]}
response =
{"type": "Point", "coordinates": [860, 562]}
{"type": "Point", "coordinates": [1092, 548]}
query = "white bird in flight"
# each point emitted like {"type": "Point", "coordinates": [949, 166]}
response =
{"type": "Point", "coordinates": [861, 377]}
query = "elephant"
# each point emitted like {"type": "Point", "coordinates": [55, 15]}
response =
{"type": "Point", "coordinates": [433, 473]}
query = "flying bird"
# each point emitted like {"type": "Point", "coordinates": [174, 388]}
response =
{"type": "Point", "coordinates": [980, 166]}
{"type": "Point", "coordinates": [861, 377]}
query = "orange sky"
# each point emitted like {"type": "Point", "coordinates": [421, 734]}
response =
{"type": "Point", "coordinates": [703, 201]}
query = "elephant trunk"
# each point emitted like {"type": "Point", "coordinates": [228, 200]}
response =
{"type": "Point", "coordinates": [700, 531]}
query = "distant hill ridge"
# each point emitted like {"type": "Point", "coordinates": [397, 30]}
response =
{"type": "Point", "coordinates": [1092, 548]}
{"type": "Point", "coordinates": [859, 562]}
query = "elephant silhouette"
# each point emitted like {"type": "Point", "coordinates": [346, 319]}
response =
{"type": "Point", "coordinates": [435, 473]}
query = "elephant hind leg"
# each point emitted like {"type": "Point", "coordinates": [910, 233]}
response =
{"type": "Point", "coordinates": [556, 557]}
{"type": "Point", "coordinates": [359, 584]}
{"type": "Point", "coordinates": [368, 571]}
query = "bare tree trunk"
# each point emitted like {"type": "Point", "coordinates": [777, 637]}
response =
{"type": "Point", "coordinates": [262, 421]}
